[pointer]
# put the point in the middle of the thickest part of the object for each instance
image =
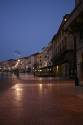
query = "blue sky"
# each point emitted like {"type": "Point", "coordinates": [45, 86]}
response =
{"type": "Point", "coordinates": [27, 26]}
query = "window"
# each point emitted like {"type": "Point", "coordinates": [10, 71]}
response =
{"type": "Point", "coordinates": [45, 56]}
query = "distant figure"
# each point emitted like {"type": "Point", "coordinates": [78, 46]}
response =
{"type": "Point", "coordinates": [16, 72]}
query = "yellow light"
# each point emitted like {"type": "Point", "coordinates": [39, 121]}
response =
{"type": "Point", "coordinates": [57, 67]}
{"type": "Point", "coordinates": [65, 19]}
{"type": "Point", "coordinates": [18, 60]}
{"type": "Point", "coordinates": [40, 70]}
{"type": "Point", "coordinates": [18, 92]}
{"type": "Point", "coordinates": [40, 85]}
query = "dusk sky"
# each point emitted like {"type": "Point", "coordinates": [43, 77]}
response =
{"type": "Point", "coordinates": [26, 26]}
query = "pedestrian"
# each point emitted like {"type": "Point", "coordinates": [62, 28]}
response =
{"type": "Point", "coordinates": [16, 72]}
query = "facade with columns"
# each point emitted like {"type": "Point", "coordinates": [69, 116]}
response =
{"type": "Point", "coordinates": [63, 52]}
{"type": "Point", "coordinates": [75, 26]}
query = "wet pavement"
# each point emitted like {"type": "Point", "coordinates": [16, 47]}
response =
{"type": "Point", "coordinates": [30, 100]}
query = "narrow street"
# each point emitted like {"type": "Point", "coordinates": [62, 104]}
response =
{"type": "Point", "coordinates": [30, 100]}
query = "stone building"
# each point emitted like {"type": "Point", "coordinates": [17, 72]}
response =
{"type": "Point", "coordinates": [7, 65]}
{"type": "Point", "coordinates": [62, 52]}
{"type": "Point", "coordinates": [27, 64]}
{"type": "Point", "coordinates": [74, 26]}
{"type": "Point", "coordinates": [40, 59]}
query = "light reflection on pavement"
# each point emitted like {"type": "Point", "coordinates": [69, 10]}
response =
{"type": "Point", "coordinates": [38, 102]}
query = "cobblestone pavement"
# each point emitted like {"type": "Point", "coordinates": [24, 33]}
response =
{"type": "Point", "coordinates": [37, 101]}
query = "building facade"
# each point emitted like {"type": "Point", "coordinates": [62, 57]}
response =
{"type": "Point", "coordinates": [62, 52]}
{"type": "Point", "coordinates": [74, 25]}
